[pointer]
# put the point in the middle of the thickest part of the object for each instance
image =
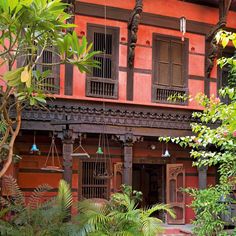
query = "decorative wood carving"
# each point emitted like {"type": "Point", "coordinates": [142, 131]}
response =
{"type": "Point", "coordinates": [212, 52]}
{"type": "Point", "coordinates": [77, 112]}
{"type": "Point", "coordinates": [128, 140]}
{"type": "Point", "coordinates": [118, 171]}
{"type": "Point", "coordinates": [133, 30]}
{"type": "Point", "coordinates": [175, 180]}
{"type": "Point", "coordinates": [68, 138]}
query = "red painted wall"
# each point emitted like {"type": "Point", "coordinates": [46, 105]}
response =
{"type": "Point", "coordinates": [143, 53]}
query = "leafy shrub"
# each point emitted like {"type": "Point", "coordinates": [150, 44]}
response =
{"type": "Point", "coordinates": [119, 216]}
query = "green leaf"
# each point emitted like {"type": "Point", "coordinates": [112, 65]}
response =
{"type": "Point", "coordinates": [225, 41]}
{"type": "Point", "coordinates": [14, 74]}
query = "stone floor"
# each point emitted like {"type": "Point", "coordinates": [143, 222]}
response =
{"type": "Point", "coordinates": [177, 230]}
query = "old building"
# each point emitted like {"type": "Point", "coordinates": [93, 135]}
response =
{"type": "Point", "coordinates": [150, 51]}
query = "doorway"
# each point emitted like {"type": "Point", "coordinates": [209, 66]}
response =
{"type": "Point", "coordinates": [150, 179]}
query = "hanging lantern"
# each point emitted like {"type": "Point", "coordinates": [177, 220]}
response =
{"type": "Point", "coordinates": [34, 149]}
{"type": "Point", "coordinates": [102, 169]}
{"type": "Point", "coordinates": [53, 161]}
{"type": "Point", "coordinates": [183, 26]}
{"type": "Point", "coordinates": [165, 154]}
{"type": "Point", "coordinates": [99, 151]}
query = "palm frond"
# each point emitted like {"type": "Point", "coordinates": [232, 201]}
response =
{"type": "Point", "coordinates": [36, 198]}
{"type": "Point", "coordinates": [151, 226]}
{"type": "Point", "coordinates": [158, 207]}
{"type": "Point", "coordinates": [64, 196]}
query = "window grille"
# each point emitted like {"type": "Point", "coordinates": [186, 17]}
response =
{"type": "Point", "coordinates": [89, 187]}
{"type": "Point", "coordinates": [52, 82]}
{"type": "Point", "coordinates": [103, 81]}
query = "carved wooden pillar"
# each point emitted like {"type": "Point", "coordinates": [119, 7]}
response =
{"type": "Point", "coordinates": [133, 23]}
{"type": "Point", "coordinates": [68, 138]}
{"type": "Point", "coordinates": [128, 140]}
{"type": "Point", "coordinates": [202, 177]}
{"type": "Point", "coordinates": [128, 163]}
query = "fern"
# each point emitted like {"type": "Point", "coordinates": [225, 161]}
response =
{"type": "Point", "coordinates": [35, 199]}
{"type": "Point", "coordinates": [36, 217]}
{"type": "Point", "coordinates": [13, 190]}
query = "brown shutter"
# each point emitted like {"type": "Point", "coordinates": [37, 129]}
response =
{"type": "Point", "coordinates": [177, 76]}
{"type": "Point", "coordinates": [163, 66]}
{"type": "Point", "coordinates": [175, 180]}
{"type": "Point", "coordinates": [170, 69]}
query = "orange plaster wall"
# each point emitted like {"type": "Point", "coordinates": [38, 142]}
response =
{"type": "Point", "coordinates": [195, 87]}
{"type": "Point", "coordinates": [196, 65]}
{"type": "Point", "coordinates": [122, 85]}
{"type": "Point", "coordinates": [142, 88]}
{"type": "Point", "coordinates": [143, 58]}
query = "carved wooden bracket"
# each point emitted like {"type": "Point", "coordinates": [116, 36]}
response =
{"type": "Point", "coordinates": [212, 52]}
{"type": "Point", "coordinates": [128, 139]}
{"type": "Point", "coordinates": [67, 135]}
{"type": "Point", "coordinates": [133, 30]}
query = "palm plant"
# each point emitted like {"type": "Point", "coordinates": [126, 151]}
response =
{"type": "Point", "coordinates": [35, 217]}
{"type": "Point", "coordinates": [120, 216]}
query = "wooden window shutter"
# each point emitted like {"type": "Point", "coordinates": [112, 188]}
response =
{"type": "Point", "coordinates": [177, 75]}
{"type": "Point", "coordinates": [175, 180]}
{"type": "Point", "coordinates": [169, 68]}
{"type": "Point", "coordinates": [103, 81]}
{"type": "Point", "coordinates": [163, 63]}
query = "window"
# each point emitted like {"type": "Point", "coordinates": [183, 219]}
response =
{"type": "Point", "coordinates": [223, 73]}
{"type": "Point", "coordinates": [90, 187]}
{"type": "Point", "coordinates": [170, 61]}
{"type": "Point", "coordinates": [50, 84]}
{"type": "Point", "coordinates": [103, 81]}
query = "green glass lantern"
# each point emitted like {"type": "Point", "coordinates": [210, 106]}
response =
{"type": "Point", "coordinates": [99, 151]}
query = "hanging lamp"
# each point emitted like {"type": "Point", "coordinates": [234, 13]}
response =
{"type": "Point", "coordinates": [182, 26]}
{"type": "Point", "coordinates": [34, 149]}
{"type": "Point", "coordinates": [102, 169]}
{"type": "Point", "coordinates": [80, 151]}
{"type": "Point", "coordinates": [53, 161]}
{"type": "Point", "coordinates": [165, 154]}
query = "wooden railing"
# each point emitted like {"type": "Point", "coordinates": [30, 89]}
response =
{"type": "Point", "coordinates": [163, 95]}
{"type": "Point", "coordinates": [103, 88]}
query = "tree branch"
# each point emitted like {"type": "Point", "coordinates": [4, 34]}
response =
{"type": "Point", "coordinates": [7, 164]}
